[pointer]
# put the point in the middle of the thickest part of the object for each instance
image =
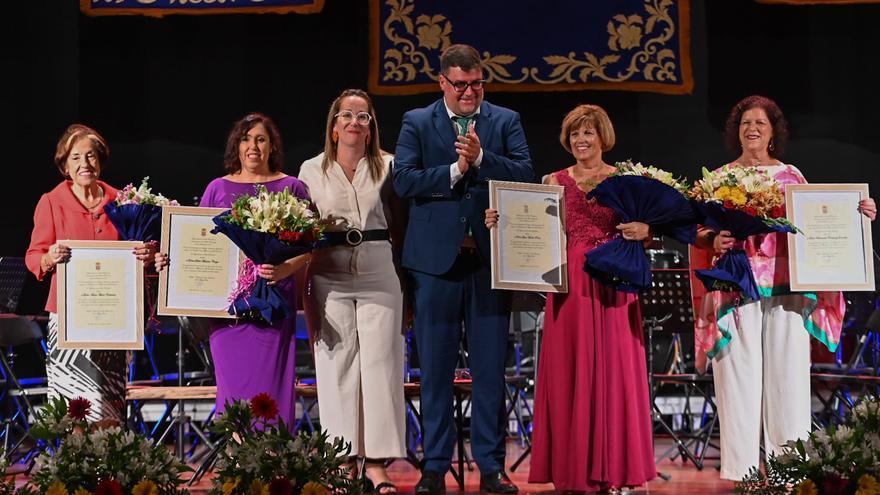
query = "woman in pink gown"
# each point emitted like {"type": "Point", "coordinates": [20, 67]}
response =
{"type": "Point", "coordinates": [592, 430]}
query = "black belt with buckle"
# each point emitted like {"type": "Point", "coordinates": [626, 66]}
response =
{"type": "Point", "coordinates": [354, 237]}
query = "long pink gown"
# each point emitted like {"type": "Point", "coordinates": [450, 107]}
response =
{"type": "Point", "coordinates": [592, 428]}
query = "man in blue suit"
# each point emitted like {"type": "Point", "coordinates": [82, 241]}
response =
{"type": "Point", "coordinates": [446, 154]}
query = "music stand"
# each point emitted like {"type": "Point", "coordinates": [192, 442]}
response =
{"type": "Point", "coordinates": [667, 302]}
{"type": "Point", "coordinates": [15, 331]}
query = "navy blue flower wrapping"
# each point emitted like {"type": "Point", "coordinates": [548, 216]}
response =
{"type": "Point", "coordinates": [623, 263]}
{"type": "Point", "coordinates": [732, 268]}
{"type": "Point", "coordinates": [262, 300]}
{"type": "Point", "coordinates": [135, 222]}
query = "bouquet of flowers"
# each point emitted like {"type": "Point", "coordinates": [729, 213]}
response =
{"type": "Point", "coordinates": [137, 212]}
{"type": "Point", "coordinates": [639, 193]}
{"type": "Point", "coordinates": [838, 460]}
{"type": "Point", "coordinates": [269, 227]}
{"type": "Point", "coordinates": [266, 458]}
{"type": "Point", "coordinates": [84, 458]}
{"type": "Point", "coordinates": [745, 201]}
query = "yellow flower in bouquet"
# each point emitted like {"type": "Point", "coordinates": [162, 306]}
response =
{"type": "Point", "coordinates": [229, 486]}
{"type": "Point", "coordinates": [82, 491]}
{"type": "Point", "coordinates": [313, 488]}
{"type": "Point", "coordinates": [748, 189]}
{"type": "Point", "coordinates": [806, 487]}
{"type": "Point", "coordinates": [258, 488]}
{"type": "Point", "coordinates": [145, 487]}
{"type": "Point", "coordinates": [868, 485]}
{"type": "Point", "coordinates": [57, 488]}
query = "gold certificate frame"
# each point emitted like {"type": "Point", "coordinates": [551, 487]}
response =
{"type": "Point", "coordinates": [101, 296]}
{"type": "Point", "coordinates": [528, 244]}
{"type": "Point", "coordinates": [834, 251]}
{"type": "Point", "coordinates": [203, 267]}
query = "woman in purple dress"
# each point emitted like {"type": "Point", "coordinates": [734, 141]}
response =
{"type": "Point", "coordinates": [251, 357]}
{"type": "Point", "coordinates": [592, 429]}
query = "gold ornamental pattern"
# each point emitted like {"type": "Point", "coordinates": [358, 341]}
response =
{"type": "Point", "coordinates": [640, 50]}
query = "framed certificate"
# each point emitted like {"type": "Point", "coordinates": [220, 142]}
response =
{"type": "Point", "coordinates": [528, 244]}
{"type": "Point", "coordinates": [203, 267]}
{"type": "Point", "coordinates": [834, 251]}
{"type": "Point", "coordinates": [101, 296]}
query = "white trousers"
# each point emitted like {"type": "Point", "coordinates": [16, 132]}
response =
{"type": "Point", "coordinates": [762, 377]}
{"type": "Point", "coordinates": [355, 304]}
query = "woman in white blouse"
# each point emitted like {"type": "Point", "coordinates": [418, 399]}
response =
{"type": "Point", "coordinates": [353, 299]}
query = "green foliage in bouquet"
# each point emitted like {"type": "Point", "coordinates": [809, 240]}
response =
{"type": "Point", "coordinates": [263, 457]}
{"type": "Point", "coordinates": [837, 460]}
{"type": "Point", "coordinates": [98, 458]}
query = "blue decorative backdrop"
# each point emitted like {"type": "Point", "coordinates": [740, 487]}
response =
{"type": "Point", "coordinates": [165, 7]}
{"type": "Point", "coordinates": [637, 45]}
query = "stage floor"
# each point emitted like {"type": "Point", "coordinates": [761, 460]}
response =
{"type": "Point", "coordinates": [685, 478]}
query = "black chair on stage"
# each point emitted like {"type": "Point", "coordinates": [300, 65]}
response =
{"type": "Point", "coordinates": [18, 335]}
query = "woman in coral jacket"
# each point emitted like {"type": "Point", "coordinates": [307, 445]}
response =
{"type": "Point", "coordinates": [74, 209]}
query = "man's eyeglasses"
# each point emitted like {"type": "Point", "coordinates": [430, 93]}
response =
{"type": "Point", "coordinates": [462, 86]}
{"type": "Point", "coordinates": [362, 118]}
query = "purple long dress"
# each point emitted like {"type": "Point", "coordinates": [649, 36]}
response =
{"type": "Point", "coordinates": [250, 358]}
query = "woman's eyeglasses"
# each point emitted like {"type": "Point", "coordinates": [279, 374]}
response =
{"type": "Point", "coordinates": [362, 118]}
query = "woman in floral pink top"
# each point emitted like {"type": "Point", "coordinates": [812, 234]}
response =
{"type": "Point", "coordinates": [760, 350]}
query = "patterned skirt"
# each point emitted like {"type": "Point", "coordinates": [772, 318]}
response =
{"type": "Point", "coordinates": [98, 376]}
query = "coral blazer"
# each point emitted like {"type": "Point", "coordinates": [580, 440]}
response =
{"type": "Point", "coordinates": [60, 216]}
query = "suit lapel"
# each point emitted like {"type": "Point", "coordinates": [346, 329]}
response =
{"type": "Point", "coordinates": [443, 124]}
{"type": "Point", "coordinates": [484, 124]}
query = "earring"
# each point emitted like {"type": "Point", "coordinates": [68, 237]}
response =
{"type": "Point", "coordinates": [771, 144]}
{"type": "Point", "coordinates": [335, 136]}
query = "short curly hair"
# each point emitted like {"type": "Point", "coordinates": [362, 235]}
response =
{"type": "Point", "coordinates": [71, 136]}
{"type": "Point", "coordinates": [777, 122]}
{"type": "Point", "coordinates": [592, 116]}
{"type": "Point", "coordinates": [231, 161]}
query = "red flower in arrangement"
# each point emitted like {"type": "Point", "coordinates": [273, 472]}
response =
{"type": "Point", "coordinates": [280, 486]}
{"type": "Point", "coordinates": [108, 487]}
{"type": "Point", "coordinates": [79, 408]}
{"type": "Point", "coordinates": [264, 406]}
{"type": "Point", "coordinates": [728, 204]}
{"type": "Point", "coordinates": [777, 211]}
{"type": "Point", "coordinates": [834, 484]}
{"type": "Point", "coordinates": [290, 236]}
{"type": "Point", "coordinates": [751, 210]}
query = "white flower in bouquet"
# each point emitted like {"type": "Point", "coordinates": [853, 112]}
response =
{"type": "Point", "coordinates": [142, 195]}
{"type": "Point", "coordinates": [629, 168]}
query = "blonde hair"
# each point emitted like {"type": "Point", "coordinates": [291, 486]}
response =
{"type": "Point", "coordinates": [590, 116]}
{"type": "Point", "coordinates": [373, 151]}
{"type": "Point", "coordinates": [70, 137]}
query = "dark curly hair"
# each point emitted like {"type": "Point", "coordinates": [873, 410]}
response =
{"type": "Point", "coordinates": [774, 113]}
{"type": "Point", "coordinates": [231, 161]}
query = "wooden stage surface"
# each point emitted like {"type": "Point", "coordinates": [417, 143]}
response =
{"type": "Point", "coordinates": [685, 478]}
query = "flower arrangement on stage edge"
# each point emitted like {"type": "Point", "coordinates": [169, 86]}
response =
{"type": "Point", "coordinates": [84, 458]}
{"type": "Point", "coordinates": [837, 460]}
{"type": "Point", "coordinates": [638, 193]}
{"type": "Point", "coordinates": [744, 201]}
{"type": "Point", "coordinates": [263, 457]}
{"type": "Point", "coordinates": [269, 227]}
